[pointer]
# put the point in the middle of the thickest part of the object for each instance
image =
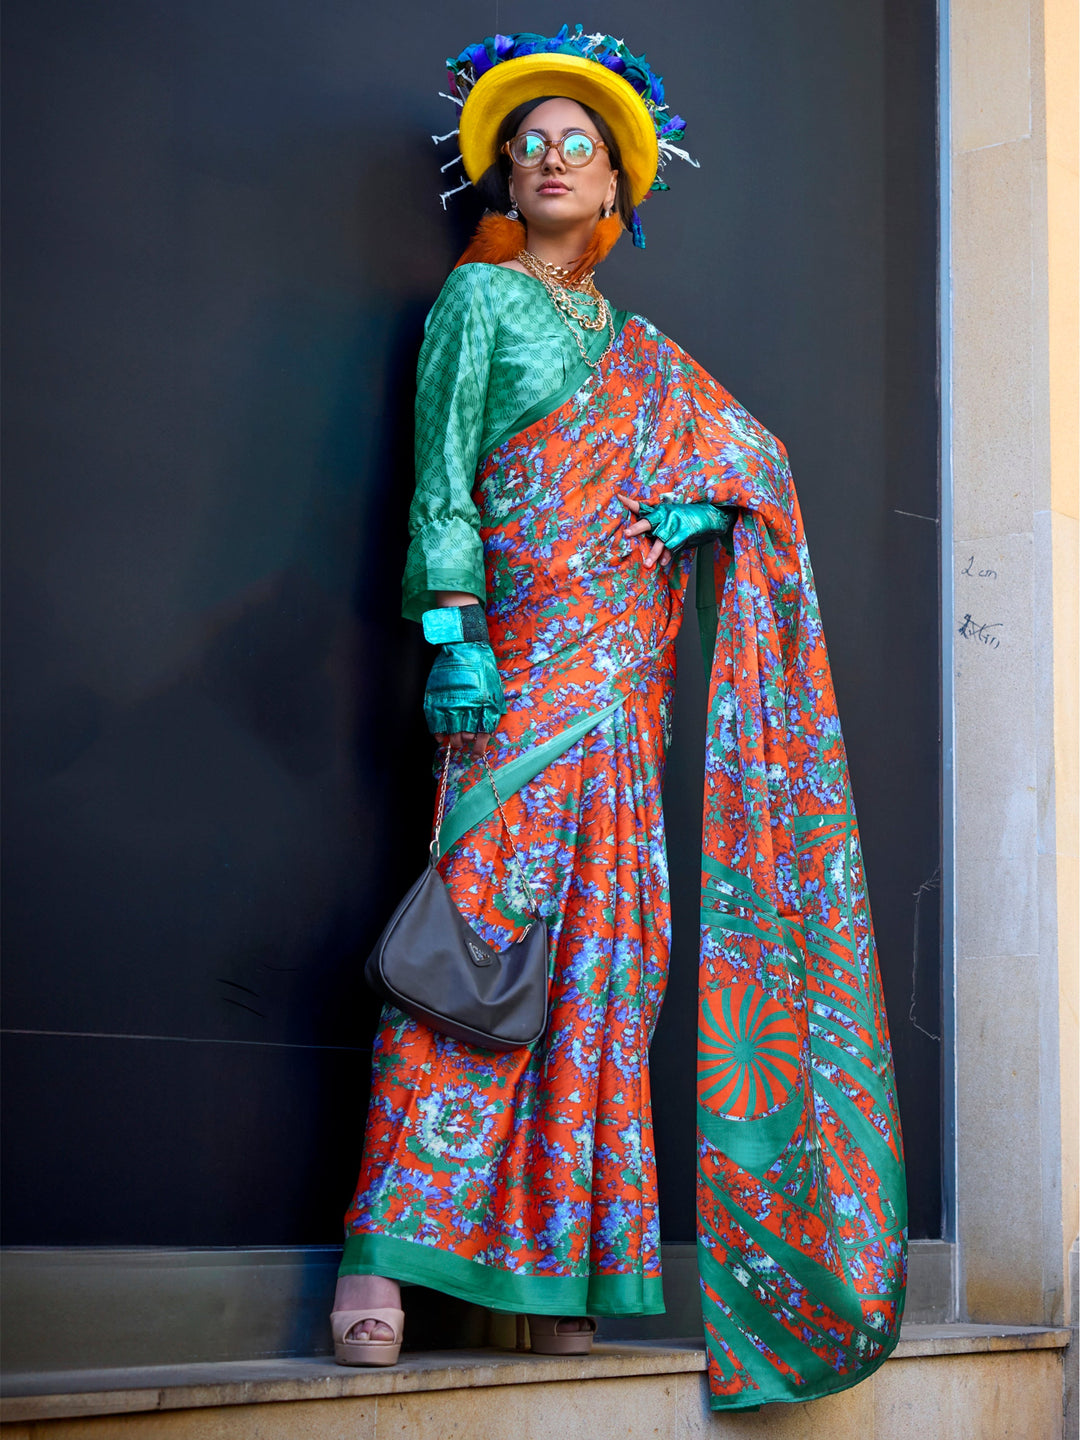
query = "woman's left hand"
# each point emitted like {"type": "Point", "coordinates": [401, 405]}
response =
{"type": "Point", "coordinates": [657, 550]}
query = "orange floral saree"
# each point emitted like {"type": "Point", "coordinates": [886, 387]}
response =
{"type": "Point", "coordinates": [526, 1181]}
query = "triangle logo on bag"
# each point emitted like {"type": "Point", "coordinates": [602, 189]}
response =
{"type": "Point", "coordinates": [480, 956]}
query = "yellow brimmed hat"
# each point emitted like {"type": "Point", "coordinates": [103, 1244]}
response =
{"type": "Point", "coordinates": [491, 78]}
{"type": "Point", "coordinates": [505, 86]}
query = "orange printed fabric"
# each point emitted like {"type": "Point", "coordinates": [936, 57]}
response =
{"type": "Point", "coordinates": [527, 1181]}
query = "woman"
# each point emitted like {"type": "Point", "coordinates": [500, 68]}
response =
{"type": "Point", "coordinates": [569, 460]}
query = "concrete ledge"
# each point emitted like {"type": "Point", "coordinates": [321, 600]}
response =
{"type": "Point", "coordinates": [85, 1393]}
{"type": "Point", "coordinates": [175, 1306]}
{"type": "Point", "coordinates": [257, 1382]}
{"type": "Point", "coordinates": [921, 1340]}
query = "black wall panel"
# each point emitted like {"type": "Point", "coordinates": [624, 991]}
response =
{"type": "Point", "coordinates": [221, 237]}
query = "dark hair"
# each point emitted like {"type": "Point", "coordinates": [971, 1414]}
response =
{"type": "Point", "coordinates": [493, 186]}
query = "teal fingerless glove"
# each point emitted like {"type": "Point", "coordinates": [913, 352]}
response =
{"type": "Point", "coordinates": [680, 525]}
{"type": "Point", "coordinates": [464, 690]}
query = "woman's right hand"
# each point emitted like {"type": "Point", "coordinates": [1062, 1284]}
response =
{"type": "Point", "coordinates": [464, 701]}
{"type": "Point", "coordinates": [467, 743]}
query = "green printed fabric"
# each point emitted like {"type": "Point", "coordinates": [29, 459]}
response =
{"type": "Point", "coordinates": [495, 357]}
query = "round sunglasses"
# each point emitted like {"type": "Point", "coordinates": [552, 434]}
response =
{"type": "Point", "coordinates": [530, 148]}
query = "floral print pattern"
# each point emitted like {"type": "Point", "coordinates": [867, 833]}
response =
{"type": "Point", "coordinates": [536, 1168]}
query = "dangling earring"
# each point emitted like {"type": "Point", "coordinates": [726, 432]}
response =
{"type": "Point", "coordinates": [512, 213]}
{"type": "Point", "coordinates": [607, 231]}
{"type": "Point", "coordinates": [607, 212]}
{"type": "Point", "coordinates": [497, 239]}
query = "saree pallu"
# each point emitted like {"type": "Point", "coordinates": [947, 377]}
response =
{"type": "Point", "coordinates": [527, 1181]}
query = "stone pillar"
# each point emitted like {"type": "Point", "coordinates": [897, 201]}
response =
{"type": "Point", "coordinates": [1014, 429]}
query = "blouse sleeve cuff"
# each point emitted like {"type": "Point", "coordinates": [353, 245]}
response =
{"type": "Point", "coordinates": [452, 560]}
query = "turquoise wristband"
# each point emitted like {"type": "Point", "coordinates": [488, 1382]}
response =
{"type": "Point", "coordinates": [455, 625]}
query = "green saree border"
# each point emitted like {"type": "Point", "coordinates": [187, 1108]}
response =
{"type": "Point", "coordinates": [478, 802]}
{"type": "Point", "coordinates": [416, 1264]}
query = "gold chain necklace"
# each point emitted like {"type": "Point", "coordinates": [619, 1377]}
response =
{"type": "Point", "coordinates": [562, 292]}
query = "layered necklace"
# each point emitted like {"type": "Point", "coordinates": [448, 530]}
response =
{"type": "Point", "coordinates": [566, 296]}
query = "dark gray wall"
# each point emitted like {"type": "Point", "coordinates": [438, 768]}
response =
{"type": "Point", "coordinates": [222, 235]}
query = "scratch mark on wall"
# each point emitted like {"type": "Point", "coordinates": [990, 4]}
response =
{"type": "Point", "coordinates": [934, 883]}
{"type": "Point", "coordinates": [241, 1006]}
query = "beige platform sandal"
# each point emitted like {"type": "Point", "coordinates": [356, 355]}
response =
{"type": "Point", "coordinates": [367, 1352]}
{"type": "Point", "coordinates": [546, 1338]}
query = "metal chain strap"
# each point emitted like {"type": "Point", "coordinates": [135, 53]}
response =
{"type": "Point", "coordinates": [440, 808]}
{"type": "Point", "coordinates": [440, 813]}
{"type": "Point", "coordinates": [510, 836]}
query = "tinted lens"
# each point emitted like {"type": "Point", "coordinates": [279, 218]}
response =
{"type": "Point", "coordinates": [529, 149]}
{"type": "Point", "coordinates": [578, 149]}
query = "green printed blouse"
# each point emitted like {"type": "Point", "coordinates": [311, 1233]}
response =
{"type": "Point", "coordinates": [496, 357]}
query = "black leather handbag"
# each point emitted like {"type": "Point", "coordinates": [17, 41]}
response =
{"type": "Point", "coordinates": [431, 963]}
